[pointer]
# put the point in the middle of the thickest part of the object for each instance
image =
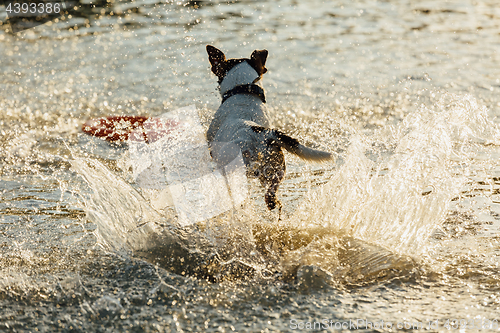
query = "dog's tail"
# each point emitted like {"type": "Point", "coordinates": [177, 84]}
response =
{"type": "Point", "coordinates": [292, 145]}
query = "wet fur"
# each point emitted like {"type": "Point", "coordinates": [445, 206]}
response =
{"type": "Point", "coordinates": [242, 121]}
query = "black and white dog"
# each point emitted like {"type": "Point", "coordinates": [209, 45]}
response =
{"type": "Point", "coordinates": [242, 121]}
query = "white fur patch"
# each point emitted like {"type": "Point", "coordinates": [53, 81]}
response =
{"type": "Point", "coordinates": [240, 74]}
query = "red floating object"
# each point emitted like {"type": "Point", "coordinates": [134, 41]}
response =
{"type": "Point", "coordinates": [123, 128]}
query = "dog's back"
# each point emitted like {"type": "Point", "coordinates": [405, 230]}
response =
{"type": "Point", "coordinates": [242, 123]}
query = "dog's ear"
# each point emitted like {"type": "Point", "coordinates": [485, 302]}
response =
{"type": "Point", "coordinates": [259, 58]}
{"type": "Point", "coordinates": [216, 58]}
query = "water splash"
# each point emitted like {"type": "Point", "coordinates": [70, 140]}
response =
{"type": "Point", "coordinates": [377, 210]}
{"type": "Point", "coordinates": [128, 224]}
{"type": "Point", "coordinates": [398, 197]}
{"type": "Point", "coordinates": [123, 216]}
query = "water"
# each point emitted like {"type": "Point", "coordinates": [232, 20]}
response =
{"type": "Point", "coordinates": [402, 227]}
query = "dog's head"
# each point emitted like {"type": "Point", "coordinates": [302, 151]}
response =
{"type": "Point", "coordinates": [221, 66]}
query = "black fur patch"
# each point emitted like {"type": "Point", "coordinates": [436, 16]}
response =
{"type": "Point", "coordinates": [277, 135]}
{"type": "Point", "coordinates": [271, 200]}
{"type": "Point", "coordinates": [271, 142]}
{"type": "Point", "coordinates": [287, 140]}
{"type": "Point", "coordinates": [259, 129]}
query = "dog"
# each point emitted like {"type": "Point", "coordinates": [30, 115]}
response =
{"type": "Point", "coordinates": [242, 121]}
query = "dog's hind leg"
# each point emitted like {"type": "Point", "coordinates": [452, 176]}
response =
{"type": "Point", "coordinates": [272, 201]}
{"type": "Point", "coordinates": [279, 212]}
{"type": "Point", "coordinates": [272, 173]}
{"type": "Point", "coordinates": [271, 198]}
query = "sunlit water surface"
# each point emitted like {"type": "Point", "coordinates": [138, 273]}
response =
{"type": "Point", "coordinates": [402, 227]}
